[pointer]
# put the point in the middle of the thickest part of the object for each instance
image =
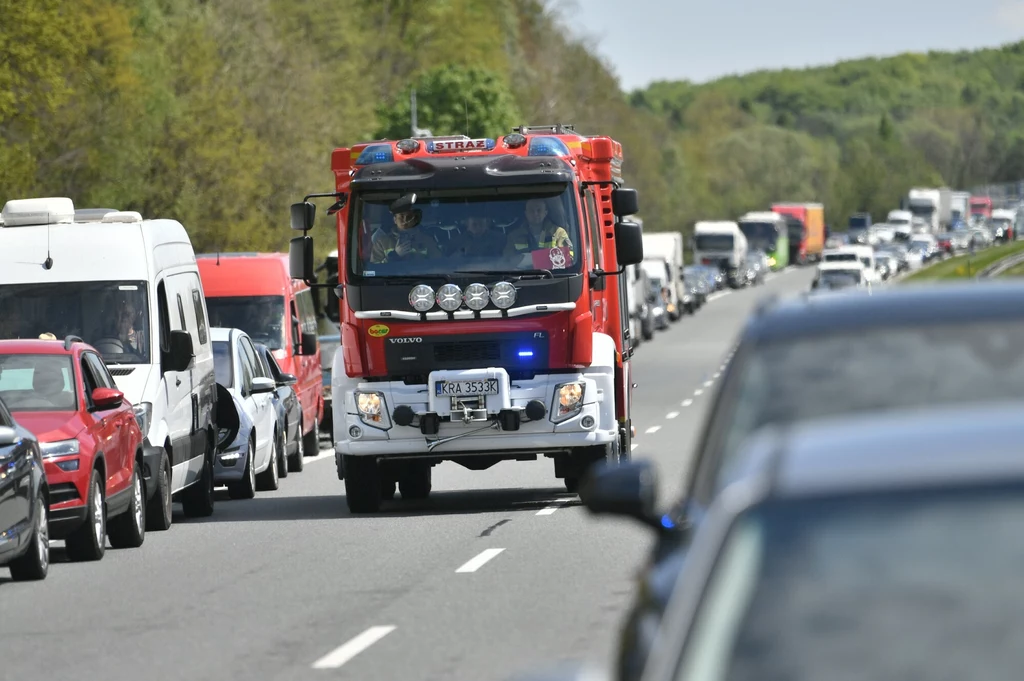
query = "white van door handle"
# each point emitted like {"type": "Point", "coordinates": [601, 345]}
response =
{"type": "Point", "coordinates": [177, 382]}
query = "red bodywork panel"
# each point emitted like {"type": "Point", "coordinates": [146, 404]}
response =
{"type": "Point", "coordinates": [592, 159]}
{"type": "Point", "coordinates": [981, 205]}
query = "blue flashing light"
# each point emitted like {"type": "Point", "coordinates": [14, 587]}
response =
{"type": "Point", "coordinates": [376, 153]}
{"type": "Point", "coordinates": [667, 523]}
{"type": "Point", "coordinates": [526, 353]}
{"type": "Point", "coordinates": [547, 146]}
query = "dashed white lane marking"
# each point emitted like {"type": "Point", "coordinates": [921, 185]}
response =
{"type": "Point", "coordinates": [478, 561]}
{"type": "Point", "coordinates": [550, 509]}
{"type": "Point", "coordinates": [632, 447]}
{"type": "Point", "coordinates": [324, 454]}
{"type": "Point", "coordinates": [347, 651]}
{"type": "Point", "coordinates": [716, 374]}
{"type": "Point", "coordinates": [652, 429]}
{"type": "Point", "coordinates": [698, 391]}
{"type": "Point", "coordinates": [672, 414]}
{"type": "Point", "coordinates": [707, 384]}
{"type": "Point", "coordinates": [687, 402]}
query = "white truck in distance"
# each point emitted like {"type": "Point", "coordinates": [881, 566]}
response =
{"type": "Point", "coordinates": [669, 246]}
{"type": "Point", "coordinates": [924, 205]}
{"type": "Point", "coordinates": [720, 244]}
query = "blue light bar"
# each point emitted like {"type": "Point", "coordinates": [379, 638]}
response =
{"type": "Point", "coordinates": [376, 153]}
{"type": "Point", "coordinates": [547, 146]}
{"type": "Point", "coordinates": [526, 353]}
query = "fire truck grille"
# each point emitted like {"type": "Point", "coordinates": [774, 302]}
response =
{"type": "Point", "coordinates": [467, 351]}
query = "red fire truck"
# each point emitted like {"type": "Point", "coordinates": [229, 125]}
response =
{"type": "Point", "coordinates": [483, 315]}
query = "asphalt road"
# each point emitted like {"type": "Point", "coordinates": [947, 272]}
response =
{"type": "Point", "coordinates": [498, 573]}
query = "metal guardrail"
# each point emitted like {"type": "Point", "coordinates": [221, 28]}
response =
{"type": "Point", "coordinates": [1000, 266]}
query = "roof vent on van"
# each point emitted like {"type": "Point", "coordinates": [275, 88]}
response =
{"type": "Point", "coordinates": [34, 212]}
{"type": "Point", "coordinates": [122, 216]}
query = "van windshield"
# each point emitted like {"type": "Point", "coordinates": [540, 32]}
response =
{"type": "Point", "coordinates": [112, 316]}
{"type": "Point", "coordinates": [262, 317]}
{"type": "Point", "coordinates": [713, 242]}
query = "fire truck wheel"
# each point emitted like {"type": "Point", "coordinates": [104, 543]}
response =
{"type": "Point", "coordinates": [414, 480]}
{"type": "Point", "coordinates": [362, 484]}
{"type": "Point", "coordinates": [572, 484]}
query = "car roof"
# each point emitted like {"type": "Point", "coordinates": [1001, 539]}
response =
{"type": "Point", "coordinates": [897, 306]}
{"type": "Point", "coordinates": [845, 265]}
{"type": "Point", "coordinates": [220, 334]}
{"type": "Point", "coordinates": [950, 445]}
{"type": "Point", "coordinates": [34, 346]}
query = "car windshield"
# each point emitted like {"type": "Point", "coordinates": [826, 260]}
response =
{"type": "Point", "coordinates": [262, 317]}
{"type": "Point", "coordinates": [839, 279]}
{"type": "Point", "coordinates": [760, 235]}
{"type": "Point", "coordinates": [479, 230]}
{"type": "Point", "coordinates": [890, 585]}
{"type": "Point", "coordinates": [912, 367]}
{"type": "Point", "coordinates": [222, 363]}
{"type": "Point", "coordinates": [112, 316]}
{"type": "Point", "coordinates": [840, 257]}
{"type": "Point", "coordinates": [37, 383]}
{"type": "Point", "coordinates": [713, 242]}
{"type": "Point", "coordinates": [795, 229]}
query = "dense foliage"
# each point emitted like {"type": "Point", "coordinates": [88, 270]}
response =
{"type": "Point", "coordinates": [222, 112]}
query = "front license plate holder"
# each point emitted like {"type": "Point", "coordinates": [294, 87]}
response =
{"type": "Point", "coordinates": [467, 388]}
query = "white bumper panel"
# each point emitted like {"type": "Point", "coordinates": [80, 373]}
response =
{"type": "Point", "coordinates": [480, 437]}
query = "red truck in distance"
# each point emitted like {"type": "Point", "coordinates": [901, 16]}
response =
{"type": "Point", "coordinates": [981, 206]}
{"type": "Point", "coordinates": [482, 295]}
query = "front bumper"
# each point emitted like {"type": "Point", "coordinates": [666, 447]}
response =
{"type": "Point", "coordinates": [592, 424]}
{"type": "Point", "coordinates": [65, 518]}
{"type": "Point", "coordinates": [229, 465]}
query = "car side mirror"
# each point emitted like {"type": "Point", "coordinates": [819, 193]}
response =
{"type": "Point", "coordinates": [629, 243]}
{"type": "Point", "coordinates": [288, 379]}
{"type": "Point", "coordinates": [262, 384]}
{"type": "Point", "coordinates": [629, 489]}
{"type": "Point", "coordinates": [181, 355]}
{"type": "Point", "coordinates": [107, 398]}
{"type": "Point", "coordinates": [625, 202]}
{"type": "Point", "coordinates": [308, 343]}
{"type": "Point", "coordinates": [8, 436]}
{"type": "Point", "coordinates": [300, 258]}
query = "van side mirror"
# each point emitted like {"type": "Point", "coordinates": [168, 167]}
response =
{"type": "Point", "coordinates": [300, 258]}
{"type": "Point", "coordinates": [302, 216]}
{"type": "Point", "coordinates": [625, 202]}
{"type": "Point", "coordinates": [629, 243]}
{"type": "Point", "coordinates": [308, 344]}
{"type": "Point", "coordinates": [181, 356]}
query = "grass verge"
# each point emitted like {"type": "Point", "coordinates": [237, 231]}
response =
{"type": "Point", "coordinates": [967, 265]}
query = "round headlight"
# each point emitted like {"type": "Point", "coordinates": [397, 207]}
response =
{"type": "Point", "coordinates": [476, 296]}
{"type": "Point", "coordinates": [421, 298]}
{"type": "Point", "coordinates": [449, 297]}
{"type": "Point", "coordinates": [503, 295]}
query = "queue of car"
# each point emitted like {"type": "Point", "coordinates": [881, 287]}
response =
{"type": "Point", "coordinates": [134, 373]}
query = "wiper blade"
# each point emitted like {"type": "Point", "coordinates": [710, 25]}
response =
{"type": "Point", "coordinates": [517, 274]}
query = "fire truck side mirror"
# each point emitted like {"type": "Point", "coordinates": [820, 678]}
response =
{"type": "Point", "coordinates": [629, 243]}
{"type": "Point", "coordinates": [303, 215]}
{"type": "Point", "coordinates": [300, 258]}
{"type": "Point", "coordinates": [624, 202]}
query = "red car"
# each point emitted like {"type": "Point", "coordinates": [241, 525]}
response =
{"type": "Point", "coordinates": [90, 441]}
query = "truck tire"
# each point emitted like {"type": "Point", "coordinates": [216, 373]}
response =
{"type": "Point", "coordinates": [362, 484]}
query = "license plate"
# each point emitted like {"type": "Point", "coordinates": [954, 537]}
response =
{"type": "Point", "coordinates": [487, 386]}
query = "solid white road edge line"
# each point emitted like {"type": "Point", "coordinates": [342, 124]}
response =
{"type": "Point", "coordinates": [652, 430]}
{"type": "Point", "coordinates": [347, 651]}
{"type": "Point", "coordinates": [479, 560]}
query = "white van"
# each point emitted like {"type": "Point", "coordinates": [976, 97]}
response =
{"type": "Point", "coordinates": [669, 246]}
{"type": "Point", "coordinates": [129, 287]}
{"type": "Point", "coordinates": [721, 244]}
{"type": "Point", "coordinates": [862, 254]}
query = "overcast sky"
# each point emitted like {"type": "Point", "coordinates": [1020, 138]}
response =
{"type": "Point", "coordinates": [699, 40]}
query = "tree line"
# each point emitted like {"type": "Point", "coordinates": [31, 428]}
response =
{"type": "Point", "coordinates": [220, 113]}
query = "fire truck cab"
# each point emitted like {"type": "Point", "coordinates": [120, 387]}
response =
{"type": "Point", "coordinates": [481, 286]}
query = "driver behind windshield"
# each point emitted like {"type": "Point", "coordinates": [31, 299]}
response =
{"type": "Point", "coordinates": [408, 241]}
{"type": "Point", "coordinates": [118, 328]}
{"type": "Point", "coordinates": [536, 231]}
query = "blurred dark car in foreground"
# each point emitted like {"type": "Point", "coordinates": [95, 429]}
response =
{"type": "Point", "coordinates": [875, 547]}
{"type": "Point", "coordinates": [799, 360]}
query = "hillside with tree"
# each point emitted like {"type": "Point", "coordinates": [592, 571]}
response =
{"type": "Point", "coordinates": [220, 113]}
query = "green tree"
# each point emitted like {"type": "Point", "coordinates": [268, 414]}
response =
{"type": "Point", "coordinates": [452, 100]}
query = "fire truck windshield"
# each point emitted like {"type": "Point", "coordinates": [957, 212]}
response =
{"type": "Point", "coordinates": [496, 230]}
